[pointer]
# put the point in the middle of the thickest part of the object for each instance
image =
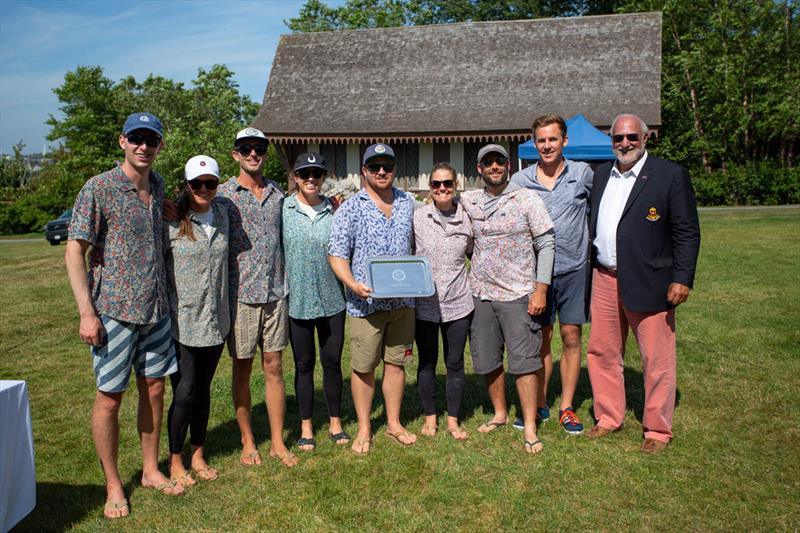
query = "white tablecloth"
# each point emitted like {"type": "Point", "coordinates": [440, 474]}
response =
{"type": "Point", "coordinates": [17, 470]}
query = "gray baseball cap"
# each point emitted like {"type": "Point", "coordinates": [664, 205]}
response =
{"type": "Point", "coordinates": [491, 148]}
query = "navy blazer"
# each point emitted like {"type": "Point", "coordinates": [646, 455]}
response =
{"type": "Point", "coordinates": [658, 237]}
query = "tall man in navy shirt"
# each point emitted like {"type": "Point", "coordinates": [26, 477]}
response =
{"type": "Point", "coordinates": [376, 221]}
{"type": "Point", "coordinates": [565, 187]}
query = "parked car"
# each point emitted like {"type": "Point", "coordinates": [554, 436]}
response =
{"type": "Point", "coordinates": [56, 230]}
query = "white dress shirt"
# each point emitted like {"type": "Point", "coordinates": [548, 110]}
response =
{"type": "Point", "coordinates": [612, 204]}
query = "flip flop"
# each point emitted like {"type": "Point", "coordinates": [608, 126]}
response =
{"type": "Point", "coordinates": [491, 425]}
{"type": "Point", "coordinates": [358, 446]}
{"type": "Point", "coordinates": [303, 441]}
{"type": "Point", "coordinates": [207, 474]}
{"type": "Point", "coordinates": [114, 507]}
{"type": "Point", "coordinates": [396, 437]}
{"type": "Point", "coordinates": [452, 433]}
{"type": "Point", "coordinates": [341, 436]}
{"type": "Point", "coordinates": [428, 431]}
{"type": "Point", "coordinates": [287, 459]}
{"type": "Point", "coordinates": [168, 488]}
{"type": "Point", "coordinates": [185, 480]}
{"type": "Point", "coordinates": [250, 459]}
{"type": "Point", "coordinates": [529, 447]}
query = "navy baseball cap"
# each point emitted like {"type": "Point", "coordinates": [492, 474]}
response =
{"type": "Point", "coordinates": [310, 160]}
{"type": "Point", "coordinates": [143, 121]}
{"type": "Point", "coordinates": [378, 150]}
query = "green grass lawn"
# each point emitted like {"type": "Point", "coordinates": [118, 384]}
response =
{"type": "Point", "coordinates": [734, 463]}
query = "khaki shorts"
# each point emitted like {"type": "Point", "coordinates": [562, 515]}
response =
{"type": "Point", "coordinates": [258, 325]}
{"type": "Point", "coordinates": [386, 335]}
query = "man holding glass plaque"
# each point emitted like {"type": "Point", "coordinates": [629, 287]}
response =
{"type": "Point", "coordinates": [377, 221]}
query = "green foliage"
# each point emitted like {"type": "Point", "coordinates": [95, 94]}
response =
{"type": "Point", "coordinates": [315, 15]}
{"type": "Point", "coordinates": [760, 183]}
{"type": "Point", "coordinates": [201, 119]}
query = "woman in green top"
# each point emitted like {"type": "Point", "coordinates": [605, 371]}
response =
{"type": "Point", "coordinates": [316, 298]}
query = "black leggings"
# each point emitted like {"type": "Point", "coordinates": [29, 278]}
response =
{"type": "Point", "coordinates": [191, 394]}
{"type": "Point", "coordinates": [454, 339]}
{"type": "Point", "coordinates": [330, 330]}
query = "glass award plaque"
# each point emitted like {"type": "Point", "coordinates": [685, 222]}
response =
{"type": "Point", "coordinates": [404, 276]}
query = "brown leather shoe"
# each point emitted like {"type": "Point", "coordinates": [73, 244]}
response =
{"type": "Point", "coordinates": [653, 446]}
{"type": "Point", "coordinates": [597, 432]}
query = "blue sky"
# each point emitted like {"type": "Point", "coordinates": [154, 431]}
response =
{"type": "Point", "coordinates": [40, 40]}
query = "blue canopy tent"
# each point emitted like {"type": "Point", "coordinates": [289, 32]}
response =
{"type": "Point", "coordinates": [586, 143]}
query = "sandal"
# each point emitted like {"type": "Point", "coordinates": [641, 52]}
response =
{"type": "Point", "coordinates": [305, 441]}
{"type": "Point", "coordinates": [491, 425]}
{"type": "Point", "coordinates": [250, 459]}
{"type": "Point", "coordinates": [358, 447]}
{"type": "Point", "coordinates": [530, 447]}
{"type": "Point", "coordinates": [404, 434]}
{"type": "Point", "coordinates": [340, 439]}
{"type": "Point", "coordinates": [207, 474]}
{"type": "Point", "coordinates": [116, 507]}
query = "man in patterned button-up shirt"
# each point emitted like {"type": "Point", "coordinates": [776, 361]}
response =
{"type": "Point", "coordinates": [123, 306]}
{"type": "Point", "coordinates": [258, 293]}
{"type": "Point", "coordinates": [512, 262]}
{"type": "Point", "coordinates": [376, 221]}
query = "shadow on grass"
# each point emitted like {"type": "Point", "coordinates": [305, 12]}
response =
{"type": "Point", "coordinates": [60, 505]}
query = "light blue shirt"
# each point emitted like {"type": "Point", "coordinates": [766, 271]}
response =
{"type": "Point", "coordinates": [314, 290]}
{"type": "Point", "coordinates": [568, 206]}
{"type": "Point", "coordinates": [360, 231]}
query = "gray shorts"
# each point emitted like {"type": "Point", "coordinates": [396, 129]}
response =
{"type": "Point", "coordinates": [568, 296]}
{"type": "Point", "coordinates": [258, 325]}
{"type": "Point", "coordinates": [505, 324]}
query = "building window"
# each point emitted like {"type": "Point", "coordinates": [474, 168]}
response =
{"type": "Point", "coordinates": [336, 158]}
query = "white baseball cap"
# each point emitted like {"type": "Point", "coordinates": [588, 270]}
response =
{"type": "Point", "coordinates": [201, 165]}
{"type": "Point", "coordinates": [250, 133]}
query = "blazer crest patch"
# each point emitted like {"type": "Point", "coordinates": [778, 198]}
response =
{"type": "Point", "coordinates": [652, 214]}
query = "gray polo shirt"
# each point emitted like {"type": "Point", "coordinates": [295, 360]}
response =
{"type": "Point", "coordinates": [568, 206]}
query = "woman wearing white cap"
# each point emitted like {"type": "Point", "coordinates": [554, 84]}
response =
{"type": "Point", "coordinates": [197, 267]}
{"type": "Point", "coordinates": [316, 298]}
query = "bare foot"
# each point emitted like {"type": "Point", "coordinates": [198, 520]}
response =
{"type": "Point", "coordinates": [429, 427]}
{"type": "Point", "coordinates": [457, 432]}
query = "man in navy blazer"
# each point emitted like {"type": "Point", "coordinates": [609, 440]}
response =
{"type": "Point", "coordinates": [645, 239]}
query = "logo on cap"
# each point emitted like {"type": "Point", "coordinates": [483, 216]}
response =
{"type": "Point", "coordinates": [379, 149]}
{"type": "Point", "coordinates": [312, 159]}
{"type": "Point", "coordinates": [252, 131]}
{"type": "Point", "coordinates": [202, 163]}
{"type": "Point", "coordinates": [144, 118]}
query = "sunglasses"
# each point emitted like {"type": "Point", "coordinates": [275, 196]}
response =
{"type": "Point", "coordinates": [376, 167]}
{"type": "Point", "coordinates": [152, 141]}
{"type": "Point", "coordinates": [487, 161]}
{"type": "Point", "coordinates": [632, 137]}
{"type": "Point", "coordinates": [448, 184]}
{"type": "Point", "coordinates": [308, 173]}
{"type": "Point", "coordinates": [245, 149]}
{"type": "Point", "coordinates": [210, 185]}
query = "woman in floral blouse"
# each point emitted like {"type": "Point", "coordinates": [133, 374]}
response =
{"type": "Point", "coordinates": [316, 298]}
{"type": "Point", "coordinates": [196, 246]}
{"type": "Point", "coordinates": [443, 234]}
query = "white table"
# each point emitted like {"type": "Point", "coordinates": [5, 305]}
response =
{"type": "Point", "coordinates": [17, 469]}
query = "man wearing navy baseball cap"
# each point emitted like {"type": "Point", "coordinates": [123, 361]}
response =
{"type": "Point", "coordinates": [123, 302]}
{"type": "Point", "coordinates": [376, 221]}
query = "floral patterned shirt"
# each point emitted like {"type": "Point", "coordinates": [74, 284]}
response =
{"type": "Point", "coordinates": [360, 231]}
{"type": "Point", "coordinates": [126, 274]}
{"type": "Point", "coordinates": [446, 247]}
{"type": "Point", "coordinates": [197, 271]}
{"type": "Point", "coordinates": [256, 276]}
{"type": "Point", "coordinates": [314, 290]}
{"type": "Point", "coordinates": [503, 264]}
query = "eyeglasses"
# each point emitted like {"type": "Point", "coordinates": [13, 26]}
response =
{"type": "Point", "coordinates": [152, 141]}
{"type": "Point", "coordinates": [448, 184]}
{"type": "Point", "coordinates": [211, 185]}
{"type": "Point", "coordinates": [245, 149]}
{"type": "Point", "coordinates": [308, 173]}
{"type": "Point", "coordinates": [500, 160]}
{"type": "Point", "coordinates": [632, 137]}
{"type": "Point", "coordinates": [376, 167]}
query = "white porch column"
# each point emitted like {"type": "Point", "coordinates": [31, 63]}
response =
{"type": "Point", "coordinates": [425, 164]}
{"type": "Point", "coordinates": [457, 160]}
{"type": "Point", "coordinates": [353, 163]}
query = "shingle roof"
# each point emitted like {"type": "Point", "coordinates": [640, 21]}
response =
{"type": "Point", "coordinates": [457, 81]}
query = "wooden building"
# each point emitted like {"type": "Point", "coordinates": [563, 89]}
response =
{"type": "Point", "coordinates": [438, 93]}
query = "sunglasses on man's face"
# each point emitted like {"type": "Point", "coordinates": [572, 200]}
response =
{"type": "Point", "coordinates": [488, 161]}
{"type": "Point", "coordinates": [308, 173]}
{"type": "Point", "coordinates": [376, 167]}
{"type": "Point", "coordinates": [152, 141]}
{"type": "Point", "coordinates": [448, 184]}
{"type": "Point", "coordinates": [245, 149]}
{"type": "Point", "coordinates": [632, 137]}
{"type": "Point", "coordinates": [210, 185]}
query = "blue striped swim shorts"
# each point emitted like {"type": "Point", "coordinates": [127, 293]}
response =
{"type": "Point", "coordinates": [148, 348]}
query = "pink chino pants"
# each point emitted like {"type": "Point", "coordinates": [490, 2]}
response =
{"type": "Point", "coordinates": [655, 334]}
